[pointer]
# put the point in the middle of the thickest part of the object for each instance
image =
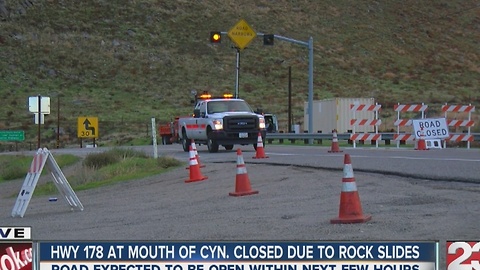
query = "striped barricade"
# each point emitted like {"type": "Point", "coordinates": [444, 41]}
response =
{"type": "Point", "coordinates": [460, 138]}
{"type": "Point", "coordinates": [43, 158]}
{"type": "Point", "coordinates": [28, 187]}
{"type": "Point", "coordinates": [460, 123]}
{"type": "Point", "coordinates": [458, 108]}
{"type": "Point", "coordinates": [365, 122]}
{"type": "Point", "coordinates": [468, 123]}
{"type": "Point", "coordinates": [406, 122]}
{"type": "Point", "coordinates": [403, 137]}
{"type": "Point", "coordinates": [365, 137]}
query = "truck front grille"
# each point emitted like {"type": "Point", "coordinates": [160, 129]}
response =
{"type": "Point", "coordinates": [240, 123]}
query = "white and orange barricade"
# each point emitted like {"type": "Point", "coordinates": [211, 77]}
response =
{"type": "Point", "coordinates": [468, 123]}
{"type": "Point", "coordinates": [399, 123]}
{"type": "Point", "coordinates": [43, 157]}
{"type": "Point", "coordinates": [365, 122]}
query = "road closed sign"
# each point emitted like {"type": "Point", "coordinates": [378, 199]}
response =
{"type": "Point", "coordinates": [433, 128]}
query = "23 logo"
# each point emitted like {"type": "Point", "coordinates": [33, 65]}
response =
{"type": "Point", "coordinates": [463, 255]}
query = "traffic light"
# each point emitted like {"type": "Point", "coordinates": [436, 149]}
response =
{"type": "Point", "coordinates": [215, 37]}
{"type": "Point", "coordinates": [268, 39]}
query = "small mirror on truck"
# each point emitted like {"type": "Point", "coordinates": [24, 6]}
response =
{"type": "Point", "coordinates": [196, 113]}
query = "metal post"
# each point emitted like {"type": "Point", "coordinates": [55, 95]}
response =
{"type": "Point", "coordinates": [354, 131]}
{"type": "Point", "coordinates": [376, 127]}
{"type": "Point", "coordinates": [237, 74]}
{"type": "Point", "coordinates": [39, 120]}
{"type": "Point", "coordinates": [444, 141]}
{"type": "Point", "coordinates": [310, 88]}
{"type": "Point", "coordinates": [154, 138]}
{"type": "Point", "coordinates": [290, 99]}
{"type": "Point", "coordinates": [58, 121]}
{"type": "Point", "coordinates": [469, 118]}
{"type": "Point", "coordinates": [398, 127]}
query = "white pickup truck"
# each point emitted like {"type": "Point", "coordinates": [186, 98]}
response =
{"type": "Point", "coordinates": [221, 121]}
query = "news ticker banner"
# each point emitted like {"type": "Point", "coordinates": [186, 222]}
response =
{"type": "Point", "coordinates": [19, 252]}
{"type": "Point", "coordinates": [238, 255]}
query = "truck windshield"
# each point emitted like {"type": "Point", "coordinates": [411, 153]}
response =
{"type": "Point", "coordinates": [218, 106]}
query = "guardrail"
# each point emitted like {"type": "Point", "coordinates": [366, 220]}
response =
{"type": "Point", "coordinates": [387, 137]}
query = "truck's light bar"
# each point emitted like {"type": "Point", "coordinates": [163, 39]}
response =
{"type": "Point", "coordinates": [207, 95]}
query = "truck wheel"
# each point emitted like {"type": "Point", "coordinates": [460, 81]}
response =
{"type": "Point", "coordinates": [228, 147]}
{"type": "Point", "coordinates": [212, 145]}
{"type": "Point", "coordinates": [185, 142]}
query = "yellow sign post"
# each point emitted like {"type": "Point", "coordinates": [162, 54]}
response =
{"type": "Point", "coordinates": [241, 34]}
{"type": "Point", "coordinates": [87, 127]}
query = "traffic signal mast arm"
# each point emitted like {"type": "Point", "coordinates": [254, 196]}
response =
{"type": "Point", "coordinates": [309, 45]}
{"type": "Point", "coordinates": [303, 43]}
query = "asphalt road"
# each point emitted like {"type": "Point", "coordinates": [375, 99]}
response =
{"type": "Point", "coordinates": [411, 195]}
{"type": "Point", "coordinates": [450, 164]}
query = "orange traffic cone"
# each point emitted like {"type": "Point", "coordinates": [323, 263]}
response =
{"type": "Point", "coordinates": [350, 206]}
{"type": "Point", "coordinates": [335, 148]}
{"type": "Point", "coordinates": [194, 147]}
{"type": "Point", "coordinates": [421, 144]}
{"type": "Point", "coordinates": [242, 182]}
{"type": "Point", "coordinates": [260, 151]}
{"type": "Point", "coordinates": [195, 174]}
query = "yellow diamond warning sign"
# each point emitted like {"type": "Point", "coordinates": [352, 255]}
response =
{"type": "Point", "coordinates": [242, 34]}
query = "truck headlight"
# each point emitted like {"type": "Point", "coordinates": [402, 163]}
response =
{"type": "Point", "coordinates": [261, 123]}
{"type": "Point", "coordinates": [218, 124]}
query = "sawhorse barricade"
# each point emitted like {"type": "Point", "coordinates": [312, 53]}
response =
{"type": "Point", "coordinates": [468, 137]}
{"type": "Point", "coordinates": [365, 122]}
{"type": "Point", "coordinates": [406, 122]}
{"type": "Point", "coordinates": [44, 157]}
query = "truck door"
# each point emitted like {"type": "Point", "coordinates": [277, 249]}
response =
{"type": "Point", "coordinates": [201, 121]}
{"type": "Point", "coordinates": [271, 123]}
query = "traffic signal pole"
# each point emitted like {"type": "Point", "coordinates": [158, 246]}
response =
{"type": "Point", "coordinates": [269, 40]}
{"type": "Point", "coordinates": [309, 45]}
{"type": "Point", "coordinates": [237, 74]}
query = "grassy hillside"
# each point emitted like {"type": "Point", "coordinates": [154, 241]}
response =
{"type": "Point", "coordinates": [127, 61]}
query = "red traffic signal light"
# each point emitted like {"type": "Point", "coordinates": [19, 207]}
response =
{"type": "Point", "coordinates": [215, 37]}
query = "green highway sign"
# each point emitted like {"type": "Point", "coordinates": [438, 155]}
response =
{"type": "Point", "coordinates": [12, 135]}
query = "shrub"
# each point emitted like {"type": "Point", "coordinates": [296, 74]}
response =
{"type": "Point", "coordinates": [14, 171]}
{"type": "Point", "coordinates": [124, 153]}
{"type": "Point", "coordinates": [99, 160]}
{"type": "Point", "coordinates": [167, 162]}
